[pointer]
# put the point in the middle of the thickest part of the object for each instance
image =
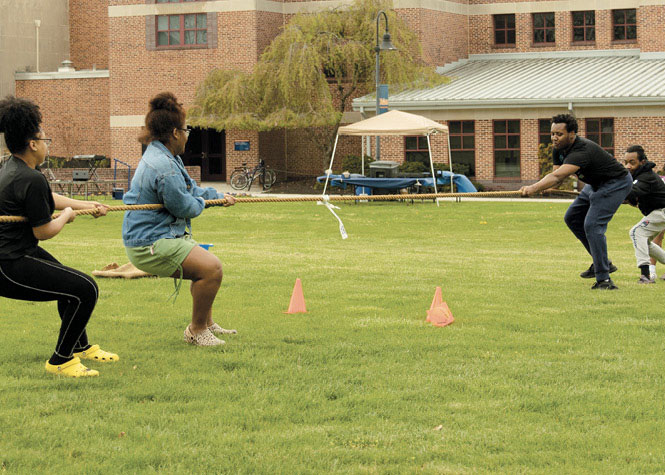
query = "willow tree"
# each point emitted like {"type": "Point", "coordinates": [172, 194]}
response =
{"type": "Point", "coordinates": [307, 77]}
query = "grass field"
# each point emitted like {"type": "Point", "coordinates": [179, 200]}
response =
{"type": "Point", "coordinates": [538, 374]}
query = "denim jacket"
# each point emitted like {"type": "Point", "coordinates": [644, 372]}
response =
{"type": "Point", "coordinates": [161, 178]}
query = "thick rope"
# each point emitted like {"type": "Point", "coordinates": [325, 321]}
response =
{"type": "Point", "coordinates": [286, 199]}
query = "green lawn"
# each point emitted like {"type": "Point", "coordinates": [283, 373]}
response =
{"type": "Point", "coordinates": [538, 374]}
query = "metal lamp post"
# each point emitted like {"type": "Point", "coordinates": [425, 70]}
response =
{"type": "Point", "coordinates": [386, 45]}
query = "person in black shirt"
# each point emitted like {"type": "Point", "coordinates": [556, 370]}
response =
{"type": "Point", "coordinates": [607, 185]}
{"type": "Point", "coordinates": [28, 272]}
{"type": "Point", "coordinates": [648, 194]}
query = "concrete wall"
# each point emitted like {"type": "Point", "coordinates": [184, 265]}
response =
{"type": "Point", "coordinates": [17, 38]}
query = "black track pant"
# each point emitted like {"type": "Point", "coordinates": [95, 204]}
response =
{"type": "Point", "coordinates": [41, 278]}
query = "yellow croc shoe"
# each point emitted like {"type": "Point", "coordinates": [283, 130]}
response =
{"type": "Point", "coordinates": [97, 354]}
{"type": "Point", "coordinates": [71, 369]}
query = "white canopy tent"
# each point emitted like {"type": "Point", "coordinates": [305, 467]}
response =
{"type": "Point", "coordinates": [394, 123]}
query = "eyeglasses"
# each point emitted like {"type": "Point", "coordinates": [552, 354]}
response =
{"type": "Point", "coordinates": [187, 131]}
{"type": "Point", "coordinates": [48, 141]}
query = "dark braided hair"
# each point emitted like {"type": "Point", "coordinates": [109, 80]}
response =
{"type": "Point", "coordinates": [165, 114]}
{"type": "Point", "coordinates": [20, 121]}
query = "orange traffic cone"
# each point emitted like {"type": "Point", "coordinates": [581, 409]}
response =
{"type": "Point", "coordinates": [439, 314]}
{"type": "Point", "coordinates": [438, 299]}
{"type": "Point", "coordinates": [297, 304]}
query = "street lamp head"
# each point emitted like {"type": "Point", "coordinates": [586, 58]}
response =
{"type": "Point", "coordinates": [386, 44]}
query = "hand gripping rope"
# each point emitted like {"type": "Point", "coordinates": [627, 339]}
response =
{"type": "Point", "coordinates": [322, 200]}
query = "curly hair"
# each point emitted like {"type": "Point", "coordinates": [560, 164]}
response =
{"type": "Point", "coordinates": [641, 154]}
{"type": "Point", "coordinates": [20, 121]}
{"type": "Point", "coordinates": [568, 119]}
{"type": "Point", "coordinates": [165, 114]}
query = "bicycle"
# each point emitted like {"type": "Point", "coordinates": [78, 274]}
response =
{"type": "Point", "coordinates": [243, 177]}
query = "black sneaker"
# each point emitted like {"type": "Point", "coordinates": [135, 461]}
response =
{"type": "Point", "coordinates": [590, 272]}
{"type": "Point", "coordinates": [604, 285]}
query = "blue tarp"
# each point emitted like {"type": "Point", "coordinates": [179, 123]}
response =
{"type": "Point", "coordinates": [462, 183]}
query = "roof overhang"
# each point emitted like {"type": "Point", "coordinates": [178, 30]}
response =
{"type": "Point", "coordinates": [368, 106]}
{"type": "Point", "coordinates": [593, 78]}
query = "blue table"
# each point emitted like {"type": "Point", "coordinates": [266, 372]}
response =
{"type": "Point", "coordinates": [462, 183]}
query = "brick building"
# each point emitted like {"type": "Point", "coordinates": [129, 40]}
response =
{"type": "Point", "coordinates": [527, 61]}
{"type": "Point", "coordinates": [125, 51]}
{"type": "Point", "coordinates": [34, 36]}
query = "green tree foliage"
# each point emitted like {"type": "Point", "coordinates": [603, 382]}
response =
{"type": "Point", "coordinates": [309, 73]}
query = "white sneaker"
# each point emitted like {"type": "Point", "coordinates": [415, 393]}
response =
{"type": "Point", "coordinates": [205, 338]}
{"type": "Point", "coordinates": [221, 331]}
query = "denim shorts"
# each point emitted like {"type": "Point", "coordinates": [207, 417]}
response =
{"type": "Point", "coordinates": [163, 257]}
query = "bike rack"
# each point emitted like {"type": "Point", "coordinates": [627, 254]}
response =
{"type": "Point", "coordinates": [129, 171]}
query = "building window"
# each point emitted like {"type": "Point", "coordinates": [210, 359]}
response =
{"type": "Point", "coordinates": [543, 28]}
{"type": "Point", "coordinates": [507, 148]}
{"type": "Point", "coordinates": [463, 145]}
{"type": "Point", "coordinates": [544, 131]}
{"type": "Point", "coordinates": [624, 24]}
{"type": "Point", "coordinates": [415, 149]}
{"type": "Point", "coordinates": [182, 30]}
{"type": "Point", "coordinates": [584, 27]}
{"type": "Point", "coordinates": [504, 30]}
{"type": "Point", "coordinates": [601, 131]}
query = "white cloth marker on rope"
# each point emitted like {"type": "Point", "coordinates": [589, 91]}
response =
{"type": "Point", "coordinates": [326, 202]}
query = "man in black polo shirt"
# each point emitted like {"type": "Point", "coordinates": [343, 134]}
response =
{"type": "Point", "coordinates": [608, 184]}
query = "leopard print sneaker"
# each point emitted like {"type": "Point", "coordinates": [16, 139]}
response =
{"type": "Point", "coordinates": [205, 338]}
{"type": "Point", "coordinates": [221, 331]}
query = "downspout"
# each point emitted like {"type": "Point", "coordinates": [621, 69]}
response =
{"type": "Point", "coordinates": [37, 25]}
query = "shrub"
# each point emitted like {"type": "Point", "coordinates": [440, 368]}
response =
{"type": "Point", "coordinates": [546, 166]}
{"type": "Point", "coordinates": [412, 167]}
{"type": "Point", "coordinates": [545, 159]}
{"type": "Point", "coordinates": [353, 164]}
{"type": "Point", "coordinates": [479, 186]}
{"type": "Point", "coordinates": [68, 162]}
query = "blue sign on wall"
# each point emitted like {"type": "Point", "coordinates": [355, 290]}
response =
{"type": "Point", "coordinates": [383, 98]}
{"type": "Point", "coordinates": [241, 145]}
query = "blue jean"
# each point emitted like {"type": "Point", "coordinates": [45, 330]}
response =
{"type": "Point", "coordinates": [589, 215]}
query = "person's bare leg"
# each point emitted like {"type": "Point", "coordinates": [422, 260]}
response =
{"type": "Point", "coordinates": [209, 318]}
{"type": "Point", "coordinates": [204, 269]}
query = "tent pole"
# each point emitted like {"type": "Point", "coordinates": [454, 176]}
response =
{"type": "Point", "coordinates": [450, 162]}
{"type": "Point", "coordinates": [329, 170]}
{"type": "Point", "coordinates": [431, 165]}
{"type": "Point", "coordinates": [362, 155]}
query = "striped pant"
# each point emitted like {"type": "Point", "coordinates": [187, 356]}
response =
{"type": "Point", "coordinates": [643, 232]}
{"type": "Point", "coordinates": [41, 278]}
